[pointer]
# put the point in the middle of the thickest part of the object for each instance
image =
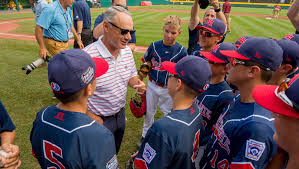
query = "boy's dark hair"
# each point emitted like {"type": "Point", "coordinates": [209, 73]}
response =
{"type": "Point", "coordinates": [190, 92]}
{"type": "Point", "coordinates": [67, 98]}
{"type": "Point", "coordinates": [266, 75]}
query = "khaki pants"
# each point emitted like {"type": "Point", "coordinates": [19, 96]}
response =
{"type": "Point", "coordinates": [55, 47]}
{"type": "Point", "coordinates": [227, 15]}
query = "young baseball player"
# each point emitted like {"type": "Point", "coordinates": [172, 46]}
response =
{"type": "Point", "coordinates": [163, 50]}
{"type": "Point", "coordinates": [283, 102]}
{"type": "Point", "coordinates": [210, 34]}
{"type": "Point", "coordinates": [64, 135]}
{"type": "Point", "coordinates": [219, 94]}
{"type": "Point", "coordinates": [289, 63]}
{"type": "Point", "coordinates": [243, 133]}
{"type": "Point", "coordinates": [172, 141]}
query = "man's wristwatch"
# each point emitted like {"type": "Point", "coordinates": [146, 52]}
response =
{"type": "Point", "coordinates": [217, 10]}
{"type": "Point", "coordinates": [78, 33]}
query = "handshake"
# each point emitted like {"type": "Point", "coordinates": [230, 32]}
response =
{"type": "Point", "coordinates": [35, 64]}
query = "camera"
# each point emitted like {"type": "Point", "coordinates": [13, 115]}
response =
{"type": "Point", "coordinates": [35, 64]}
{"type": "Point", "coordinates": [203, 4]}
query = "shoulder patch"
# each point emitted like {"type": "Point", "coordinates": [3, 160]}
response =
{"type": "Point", "coordinates": [112, 164]}
{"type": "Point", "coordinates": [148, 153]}
{"type": "Point", "coordinates": [254, 149]}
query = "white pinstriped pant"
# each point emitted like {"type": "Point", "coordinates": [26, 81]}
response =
{"type": "Point", "coordinates": [155, 95]}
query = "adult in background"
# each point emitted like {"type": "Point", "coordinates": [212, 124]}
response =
{"type": "Point", "coordinates": [293, 15]}
{"type": "Point", "coordinates": [7, 135]}
{"type": "Point", "coordinates": [98, 26]}
{"type": "Point", "coordinates": [37, 7]}
{"type": "Point", "coordinates": [53, 28]}
{"type": "Point", "coordinates": [109, 98]}
{"type": "Point", "coordinates": [82, 22]}
{"type": "Point", "coordinates": [212, 13]}
{"type": "Point", "coordinates": [226, 10]}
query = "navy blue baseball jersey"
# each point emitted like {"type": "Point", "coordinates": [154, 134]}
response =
{"type": "Point", "coordinates": [157, 53]}
{"type": "Point", "coordinates": [6, 123]}
{"type": "Point", "coordinates": [243, 138]}
{"type": "Point", "coordinates": [172, 141]}
{"type": "Point", "coordinates": [69, 140]}
{"type": "Point", "coordinates": [100, 19]}
{"type": "Point", "coordinates": [211, 104]}
{"type": "Point", "coordinates": [81, 12]}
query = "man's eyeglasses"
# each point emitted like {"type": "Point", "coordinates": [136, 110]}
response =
{"type": "Point", "coordinates": [235, 61]}
{"type": "Point", "coordinates": [207, 33]}
{"type": "Point", "coordinates": [123, 31]}
{"type": "Point", "coordinates": [280, 93]}
{"type": "Point", "coordinates": [172, 75]}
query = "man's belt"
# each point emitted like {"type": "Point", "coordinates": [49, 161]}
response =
{"type": "Point", "coordinates": [56, 40]}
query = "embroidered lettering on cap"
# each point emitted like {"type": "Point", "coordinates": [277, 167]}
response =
{"type": "Point", "coordinates": [257, 55]}
{"type": "Point", "coordinates": [148, 153]}
{"type": "Point", "coordinates": [88, 75]}
{"type": "Point", "coordinates": [254, 149]}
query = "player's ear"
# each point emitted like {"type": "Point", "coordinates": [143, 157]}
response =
{"type": "Point", "coordinates": [254, 71]}
{"type": "Point", "coordinates": [179, 84]}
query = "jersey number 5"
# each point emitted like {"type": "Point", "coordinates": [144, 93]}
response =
{"type": "Point", "coordinates": [49, 150]}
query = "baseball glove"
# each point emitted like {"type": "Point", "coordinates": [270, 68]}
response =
{"type": "Point", "coordinates": [203, 4]}
{"type": "Point", "coordinates": [138, 105]}
{"type": "Point", "coordinates": [144, 69]}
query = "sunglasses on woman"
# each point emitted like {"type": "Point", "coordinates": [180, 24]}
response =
{"type": "Point", "coordinates": [123, 31]}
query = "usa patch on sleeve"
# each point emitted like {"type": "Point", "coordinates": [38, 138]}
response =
{"type": "Point", "coordinates": [148, 153]}
{"type": "Point", "coordinates": [254, 149]}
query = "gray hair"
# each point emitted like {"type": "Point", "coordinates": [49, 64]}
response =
{"type": "Point", "coordinates": [112, 11]}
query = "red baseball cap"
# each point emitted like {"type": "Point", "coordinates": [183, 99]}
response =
{"type": "Point", "coordinates": [277, 99]}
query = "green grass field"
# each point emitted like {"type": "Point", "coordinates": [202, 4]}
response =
{"type": "Point", "coordinates": [24, 95]}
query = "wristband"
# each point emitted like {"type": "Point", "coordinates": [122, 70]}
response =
{"type": "Point", "coordinates": [217, 10]}
{"type": "Point", "coordinates": [78, 33]}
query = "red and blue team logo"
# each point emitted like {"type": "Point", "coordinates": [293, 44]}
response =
{"type": "Point", "coordinates": [210, 22]}
{"type": "Point", "coordinates": [289, 37]}
{"type": "Point", "coordinates": [254, 149]}
{"type": "Point", "coordinates": [148, 153]}
{"type": "Point", "coordinates": [55, 86]}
